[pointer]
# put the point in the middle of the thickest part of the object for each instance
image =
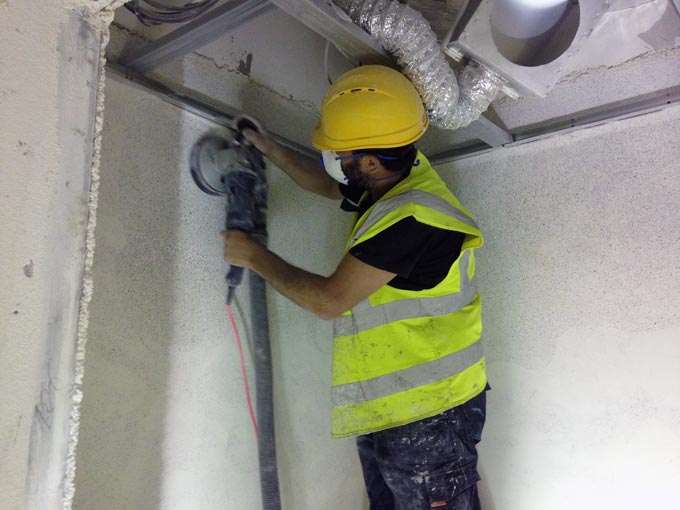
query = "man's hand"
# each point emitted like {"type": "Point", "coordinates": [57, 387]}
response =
{"type": "Point", "coordinates": [241, 249]}
{"type": "Point", "coordinates": [304, 170]}
{"type": "Point", "coordinates": [262, 141]}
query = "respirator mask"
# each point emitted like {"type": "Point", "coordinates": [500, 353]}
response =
{"type": "Point", "coordinates": [332, 164]}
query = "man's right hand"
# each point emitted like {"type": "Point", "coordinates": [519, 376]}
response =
{"type": "Point", "coordinates": [305, 171]}
{"type": "Point", "coordinates": [262, 140]}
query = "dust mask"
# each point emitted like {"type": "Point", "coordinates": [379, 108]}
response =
{"type": "Point", "coordinates": [330, 161]}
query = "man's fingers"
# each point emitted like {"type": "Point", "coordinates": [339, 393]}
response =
{"type": "Point", "coordinates": [251, 136]}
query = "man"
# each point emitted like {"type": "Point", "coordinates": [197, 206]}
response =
{"type": "Point", "coordinates": [408, 370]}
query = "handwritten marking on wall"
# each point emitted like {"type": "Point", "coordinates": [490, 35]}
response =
{"type": "Point", "coordinates": [44, 409]}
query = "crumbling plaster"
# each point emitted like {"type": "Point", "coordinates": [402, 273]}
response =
{"type": "Point", "coordinates": [49, 53]}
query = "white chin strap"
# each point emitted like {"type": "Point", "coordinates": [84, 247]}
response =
{"type": "Point", "coordinates": [332, 166]}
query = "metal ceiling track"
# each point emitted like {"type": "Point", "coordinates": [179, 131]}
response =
{"type": "Point", "coordinates": [321, 16]}
{"type": "Point", "coordinates": [191, 101]}
{"type": "Point", "coordinates": [327, 20]}
{"type": "Point", "coordinates": [585, 119]}
{"type": "Point", "coordinates": [223, 115]}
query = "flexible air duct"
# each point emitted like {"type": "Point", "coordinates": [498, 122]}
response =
{"type": "Point", "coordinates": [407, 35]}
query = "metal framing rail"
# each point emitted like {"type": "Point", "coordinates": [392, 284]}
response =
{"type": "Point", "coordinates": [191, 101]}
{"type": "Point", "coordinates": [321, 16]}
{"type": "Point", "coordinates": [223, 115]}
{"type": "Point", "coordinates": [586, 119]}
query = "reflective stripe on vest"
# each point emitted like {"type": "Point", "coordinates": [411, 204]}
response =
{"type": "Point", "coordinates": [419, 197]}
{"type": "Point", "coordinates": [365, 317]}
{"type": "Point", "coordinates": [407, 379]}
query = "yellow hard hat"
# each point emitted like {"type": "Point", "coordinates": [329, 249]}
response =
{"type": "Point", "coordinates": [370, 107]}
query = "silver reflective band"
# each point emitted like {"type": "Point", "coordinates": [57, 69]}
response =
{"type": "Point", "coordinates": [409, 378]}
{"type": "Point", "coordinates": [419, 197]}
{"type": "Point", "coordinates": [363, 320]}
{"type": "Point", "coordinates": [365, 317]}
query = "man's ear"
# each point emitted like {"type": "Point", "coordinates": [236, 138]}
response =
{"type": "Point", "coordinates": [371, 164]}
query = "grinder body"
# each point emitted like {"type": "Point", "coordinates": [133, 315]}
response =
{"type": "Point", "coordinates": [228, 167]}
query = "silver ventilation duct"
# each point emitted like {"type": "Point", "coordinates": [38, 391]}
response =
{"type": "Point", "coordinates": [407, 35]}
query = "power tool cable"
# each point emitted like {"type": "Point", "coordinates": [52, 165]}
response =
{"type": "Point", "coordinates": [239, 344]}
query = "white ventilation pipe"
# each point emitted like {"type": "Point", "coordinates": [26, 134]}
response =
{"type": "Point", "coordinates": [406, 34]}
{"type": "Point", "coordinates": [524, 19]}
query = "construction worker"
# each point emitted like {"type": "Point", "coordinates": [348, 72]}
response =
{"type": "Point", "coordinates": [408, 368]}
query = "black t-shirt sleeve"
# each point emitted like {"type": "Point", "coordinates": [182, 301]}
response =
{"type": "Point", "coordinates": [420, 255]}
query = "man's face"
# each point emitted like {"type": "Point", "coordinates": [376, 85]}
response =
{"type": "Point", "coordinates": [351, 169]}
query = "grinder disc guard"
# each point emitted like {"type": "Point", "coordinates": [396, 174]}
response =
{"type": "Point", "coordinates": [211, 160]}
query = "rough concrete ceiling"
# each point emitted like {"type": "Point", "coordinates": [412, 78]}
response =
{"type": "Point", "coordinates": [633, 51]}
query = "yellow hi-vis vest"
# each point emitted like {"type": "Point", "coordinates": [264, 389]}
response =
{"type": "Point", "coordinates": [404, 355]}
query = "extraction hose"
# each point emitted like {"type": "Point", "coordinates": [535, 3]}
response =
{"type": "Point", "coordinates": [232, 168]}
{"type": "Point", "coordinates": [269, 481]}
{"type": "Point", "coordinates": [405, 34]}
{"type": "Point", "coordinates": [246, 191]}
{"type": "Point", "coordinates": [264, 386]}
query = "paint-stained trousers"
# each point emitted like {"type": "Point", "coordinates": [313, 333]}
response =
{"type": "Point", "coordinates": [427, 464]}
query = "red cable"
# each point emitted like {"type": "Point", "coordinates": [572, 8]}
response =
{"type": "Point", "coordinates": [243, 368]}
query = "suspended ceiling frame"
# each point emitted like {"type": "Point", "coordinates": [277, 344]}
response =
{"type": "Point", "coordinates": [323, 17]}
{"type": "Point", "coordinates": [223, 115]}
{"type": "Point", "coordinates": [318, 15]}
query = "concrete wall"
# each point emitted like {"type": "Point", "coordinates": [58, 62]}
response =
{"type": "Point", "coordinates": [164, 419]}
{"type": "Point", "coordinates": [49, 59]}
{"type": "Point", "coordinates": [581, 280]}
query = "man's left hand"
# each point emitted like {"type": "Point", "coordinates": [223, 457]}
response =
{"type": "Point", "coordinates": [240, 249]}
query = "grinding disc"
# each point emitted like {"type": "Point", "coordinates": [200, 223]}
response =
{"type": "Point", "coordinates": [211, 159]}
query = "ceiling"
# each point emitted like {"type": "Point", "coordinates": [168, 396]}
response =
{"type": "Point", "coordinates": [631, 57]}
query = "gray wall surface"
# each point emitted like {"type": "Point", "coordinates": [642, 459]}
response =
{"type": "Point", "coordinates": [580, 277]}
{"type": "Point", "coordinates": [49, 70]}
{"type": "Point", "coordinates": [164, 419]}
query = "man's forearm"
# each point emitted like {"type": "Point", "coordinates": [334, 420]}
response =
{"type": "Point", "coordinates": [304, 171]}
{"type": "Point", "coordinates": [306, 289]}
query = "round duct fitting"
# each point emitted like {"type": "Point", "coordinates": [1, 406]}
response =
{"type": "Point", "coordinates": [533, 33]}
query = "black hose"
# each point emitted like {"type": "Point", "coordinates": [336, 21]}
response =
{"type": "Point", "coordinates": [245, 187]}
{"type": "Point", "coordinates": [269, 481]}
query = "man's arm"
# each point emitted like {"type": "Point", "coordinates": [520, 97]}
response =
{"type": "Point", "coordinates": [305, 171]}
{"type": "Point", "coordinates": [327, 297]}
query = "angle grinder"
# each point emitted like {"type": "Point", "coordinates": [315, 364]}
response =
{"type": "Point", "coordinates": [232, 168]}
